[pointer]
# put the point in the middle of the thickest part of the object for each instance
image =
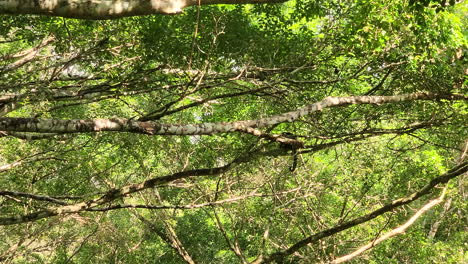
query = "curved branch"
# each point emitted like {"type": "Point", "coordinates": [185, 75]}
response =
{"type": "Point", "coordinates": [281, 255]}
{"type": "Point", "coordinates": [156, 128]}
{"type": "Point", "coordinates": [117, 193]}
{"type": "Point", "coordinates": [397, 231]}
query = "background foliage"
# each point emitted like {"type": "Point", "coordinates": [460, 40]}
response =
{"type": "Point", "coordinates": [225, 63]}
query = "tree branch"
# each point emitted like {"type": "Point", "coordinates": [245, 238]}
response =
{"type": "Point", "coordinates": [156, 128]}
{"type": "Point", "coordinates": [32, 196]}
{"type": "Point", "coordinates": [117, 193]}
{"type": "Point", "coordinates": [280, 255]}
{"type": "Point", "coordinates": [109, 9]}
{"type": "Point", "coordinates": [397, 231]}
{"type": "Point", "coordinates": [25, 56]}
{"type": "Point", "coordinates": [190, 206]}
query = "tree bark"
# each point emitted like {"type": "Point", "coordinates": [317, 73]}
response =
{"type": "Point", "coordinates": [109, 9]}
{"type": "Point", "coordinates": [155, 128]}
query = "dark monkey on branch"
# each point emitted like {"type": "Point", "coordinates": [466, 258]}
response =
{"type": "Point", "coordinates": [291, 147]}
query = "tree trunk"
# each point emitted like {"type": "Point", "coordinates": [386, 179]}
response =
{"type": "Point", "coordinates": [109, 9]}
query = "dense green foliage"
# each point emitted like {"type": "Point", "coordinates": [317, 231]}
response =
{"type": "Point", "coordinates": [225, 63]}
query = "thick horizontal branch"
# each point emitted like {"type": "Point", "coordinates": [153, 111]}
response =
{"type": "Point", "coordinates": [26, 136]}
{"type": "Point", "coordinates": [156, 128]}
{"type": "Point", "coordinates": [279, 256]}
{"type": "Point", "coordinates": [109, 9]}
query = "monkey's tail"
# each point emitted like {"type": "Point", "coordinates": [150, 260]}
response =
{"type": "Point", "coordinates": [294, 164]}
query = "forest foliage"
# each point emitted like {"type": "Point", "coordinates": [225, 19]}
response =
{"type": "Point", "coordinates": [86, 178]}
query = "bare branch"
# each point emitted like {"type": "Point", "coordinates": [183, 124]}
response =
{"type": "Point", "coordinates": [119, 193]}
{"type": "Point", "coordinates": [158, 114]}
{"type": "Point", "coordinates": [169, 237]}
{"type": "Point", "coordinates": [155, 128]}
{"type": "Point", "coordinates": [190, 206]}
{"type": "Point", "coordinates": [280, 255]}
{"type": "Point", "coordinates": [27, 55]}
{"type": "Point", "coordinates": [234, 246]}
{"type": "Point", "coordinates": [32, 196]}
{"type": "Point", "coordinates": [397, 231]}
